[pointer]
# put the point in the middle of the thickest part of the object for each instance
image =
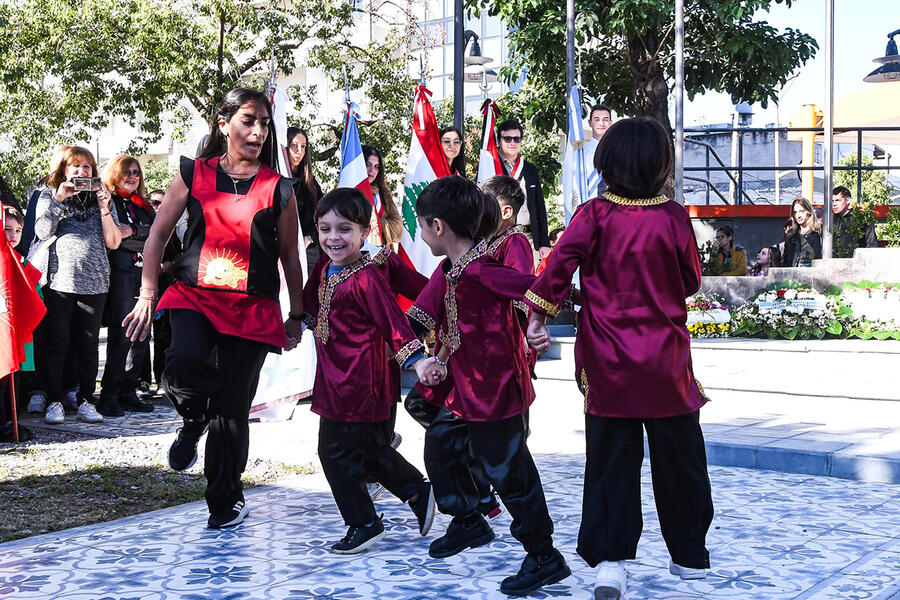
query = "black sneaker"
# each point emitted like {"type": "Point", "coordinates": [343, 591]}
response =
{"type": "Point", "coordinates": [131, 402]}
{"type": "Point", "coordinates": [229, 518]}
{"type": "Point", "coordinates": [359, 538]}
{"type": "Point", "coordinates": [536, 572]}
{"type": "Point", "coordinates": [461, 535]}
{"type": "Point", "coordinates": [109, 406]}
{"type": "Point", "coordinates": [490, 508]}
{"type": "Point", "coordinates": [183, 452]}
{"type": "Point", "coordinates": [423, 506]}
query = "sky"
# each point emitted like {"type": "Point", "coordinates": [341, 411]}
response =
{"type": "Point", "coordinates": [860, 34]}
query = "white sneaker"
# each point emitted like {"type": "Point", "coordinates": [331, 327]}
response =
{"type": "Point", "coordinates": [609, 584]}
{"type": "Point", "coordinates": [37, 403]}
{"type": "Point", "coordinates": [87, 412]}
{"type": "Point", "coordinates": [686, 572]}
{"type": "Point", "coordinates": [70, 402]}
{"type": "Point", "coordinates": [55, 414]}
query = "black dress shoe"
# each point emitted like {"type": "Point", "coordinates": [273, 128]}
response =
{"type": "Point", "coordinates": [133, 403]}
{"type": "Point", "coordinates": [183, 452]}
{"type": "Point", "coordinates": [109, 406]}
{"type": "Point", "coordinates": [423, 507]}
{"type": "Point", "coordinates": [461, 534]}
{"type": "Point", "coordinates": [359, 538]}
{"type": "Point", "coordinates": [536, 572]}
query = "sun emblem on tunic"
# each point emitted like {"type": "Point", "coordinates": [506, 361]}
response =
{"type": "Point", "coordinates": [223, 270]}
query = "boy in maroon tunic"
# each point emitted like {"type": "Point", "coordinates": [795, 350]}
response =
{"type": "Point", "coordinates": [638, 261]}
{"type": "Point", "coordinates": [472, 311]}
{"type": "Point", "coordinates": [354, 317]}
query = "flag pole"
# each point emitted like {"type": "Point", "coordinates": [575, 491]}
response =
{"type": "Point", "coordinates": [12, 401]}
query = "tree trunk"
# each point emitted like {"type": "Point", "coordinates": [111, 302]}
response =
{"type": "Point", "coordinates": [650, 92]}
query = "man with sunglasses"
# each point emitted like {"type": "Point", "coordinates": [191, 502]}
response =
{"type": "Point", "coordinates": [533, 216]}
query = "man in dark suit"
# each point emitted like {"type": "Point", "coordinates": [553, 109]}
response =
{"type": "Point", "coordinates": [534, 214]}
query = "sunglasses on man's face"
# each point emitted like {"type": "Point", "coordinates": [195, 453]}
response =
{"type": "Point", "coordinates": [511, 139]}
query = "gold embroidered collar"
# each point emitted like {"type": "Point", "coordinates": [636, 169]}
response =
{"type": "Point", "coordinates": [616, 199]}
{"type": "Point", "coordinates": [464, 260]}
{"type": "Point", "coordinates": [498, 240]}
{"type": "Point", "coordinates": [451, 337]}
{"type": "Point", "coordinates": [326, 293]}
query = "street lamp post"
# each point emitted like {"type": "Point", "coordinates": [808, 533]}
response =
{"type": "Point", "coordinates": [828, 154]}
{"type": "Point", "coordinates": [458, 68]}
{"type": "Point", "coordinates": [890, 63]}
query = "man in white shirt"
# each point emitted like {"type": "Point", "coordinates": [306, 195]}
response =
{"type": "Point", "coordinates": [600, 120]}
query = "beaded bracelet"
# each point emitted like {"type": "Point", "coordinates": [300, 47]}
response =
{"type": "Point", "coordinates": [440, 362]}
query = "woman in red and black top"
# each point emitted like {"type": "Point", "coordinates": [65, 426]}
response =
{"type": "Point", "coordinates": [242, 218]}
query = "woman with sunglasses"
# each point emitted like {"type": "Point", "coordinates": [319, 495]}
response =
{"type": "Point", "coordinates": [451, 142]}
{"type": "Point", "coordinates": [124, 359]}
{"type": "Point", "coordinates": [307, 190]}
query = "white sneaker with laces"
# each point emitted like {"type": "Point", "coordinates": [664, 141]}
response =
{"type": "Point", "coordinates": [87, 412]}
{"type": "Point", "coordinates": [609, 584]}
{"type": "Point", "coordinates": [37, 404]}
{"type": "Point", "coordinates": [686, 573]}
{"type": "Point", "coordinates": [55, 414]}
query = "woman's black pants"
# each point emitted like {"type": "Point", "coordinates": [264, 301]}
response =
{"type": "Point", "coordinates": [611, 516]}
{"type": "Point", "coordinates": [500, 448]}
{"type": "Point", "coordinates": [209, 375]}
{"type": "Point", "coordinates": [70, 327]}
{"type": "Point", "coordinates": [124, 358]}
{"type": "Point", "coordinates": [351, 454]}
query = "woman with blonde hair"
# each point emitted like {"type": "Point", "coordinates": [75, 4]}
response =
{"type": "Point", "coordinates": [78, 224]}
{"type": "Point", "coordinates": [124, 358]}
{"type": "Point", "coordinates": [803, 243]}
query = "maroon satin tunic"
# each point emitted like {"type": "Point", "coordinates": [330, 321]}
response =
{"type": "Point", "coordinates": [637, 266]}
{"type": "Point", "coordinates": [471, 305]}
{"type": "Point", "coordinates": [513, 249]}
{"type": "Point", "coordinates": [355, 317]}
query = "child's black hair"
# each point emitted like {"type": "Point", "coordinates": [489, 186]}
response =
{"type": "Point", "coordinates": [554, 235]}
{"type": "Point", "coordinates": [635, 157]}
{"type": "Point", "coordinates": [506, 190]}
{"type": "Point", "coordinates": [349, 203]}
{"type": "Point", "coordinates": [461, 205]}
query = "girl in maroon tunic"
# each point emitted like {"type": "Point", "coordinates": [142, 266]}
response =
{"type": "Point", "coordinates": [225, 315]}
{"type": "Point", "coordinates": [638, 261]}
{"type": "Point", "coordinates": [469, 301]}
{"type": "Point", "coordinates": [354, 317]}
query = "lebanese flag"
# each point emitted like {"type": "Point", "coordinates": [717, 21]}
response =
{"type": "Point", "coordinates": [353, 169]}
{"type": "Point", "coordinates": [425, 164]}
{"type": "Point", "coordinates": [21, 308]}
{"type": "Point", "coordinates": [489, 159]}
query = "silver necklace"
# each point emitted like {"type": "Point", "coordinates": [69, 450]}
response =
{"type": "Point", "coordinates": [236, 180]}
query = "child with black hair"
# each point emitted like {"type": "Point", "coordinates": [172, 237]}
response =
{"type": "Point", "coordinates": [509, 244]}
{"type": "Point", "coordinates": [469, 301]}
{"type": "Point", "coordinates": [633, 357]}
{"type": "Point", "coordinates": [354, 317]}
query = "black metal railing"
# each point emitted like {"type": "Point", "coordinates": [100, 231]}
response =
{"type": "Point", "coordinates": [736, 172]}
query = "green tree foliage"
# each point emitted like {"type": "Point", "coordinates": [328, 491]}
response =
{"type": "Point", "coordinates": [627, 52]}
{"type": "Point", "coordinates": [70, 66]}
{"type": "Point", "coordinates": [158, 174]}
{"type": "Point", "coordinates": [875, 187]}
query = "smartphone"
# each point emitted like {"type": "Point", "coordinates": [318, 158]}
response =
{"type": "Point", "coordinates": [86, 184]}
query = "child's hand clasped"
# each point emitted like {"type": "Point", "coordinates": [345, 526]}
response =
{"type": "Point", "coordinates": [538, 336]}
{"type": "Point", "coordinates": [430, 371]}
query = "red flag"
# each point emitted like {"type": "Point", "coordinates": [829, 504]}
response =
{"type": "Point", "coordinates": [21, 308]}
{"type": "Point", "coordinates": [489, 159]}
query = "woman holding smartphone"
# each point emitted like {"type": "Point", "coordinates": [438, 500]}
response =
{"type": "Point", "coordinates": [76, 221]}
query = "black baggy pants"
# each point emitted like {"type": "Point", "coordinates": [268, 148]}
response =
{"type": "Point", "coordinates": [611, 516]}
{"type": "Point", "coordinates": [124, 358]}
{"type": "Point", "coordinates": [209, 375]}
{"type": "Point", "coordinates": [351, 454]}
{"type": "Point", "coordinates": [71, 328]}
{"type": "Point", "coordinates": [500, 447]}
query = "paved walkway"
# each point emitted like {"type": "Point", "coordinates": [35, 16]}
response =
{"type": "Point", "coordinates": [775, 536]}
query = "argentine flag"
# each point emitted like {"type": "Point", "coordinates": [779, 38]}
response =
{"type": "Point", "coordinates": [575, 187]}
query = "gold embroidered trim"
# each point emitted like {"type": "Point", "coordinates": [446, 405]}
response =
{"type": "Point", "coordinates": [381, 256]}
{"type": "Point", "coordinates": [326, 293]}
{"type": "Point", "coordinates": [407, 351]}
{"type": "Point", "coordinates": [414, 312]}
{"type": "Point", "coordinates": [451, 337]}
{"type": "Point", "coordinates": [547, 306]}
{"type": "Point", "coordinates": [615, 199]}
{"type": "Point", "coordinates": [585, 389]}
{"type": "Point", "coordinates": [520, 305]}
{"type": "Point", "coordinates": [497, 241]}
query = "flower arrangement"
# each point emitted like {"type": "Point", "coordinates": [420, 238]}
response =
{"type": "Point", "coordinates": [788, 310]}
{"type": "Point", "coordinates": [874, 310]}
{"type": "Point", "coordinates": [707, 316]}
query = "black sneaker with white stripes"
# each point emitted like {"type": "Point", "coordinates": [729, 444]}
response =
{"type": "Point", "coordinates": [229, 518]}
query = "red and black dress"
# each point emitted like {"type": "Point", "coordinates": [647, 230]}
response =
{"type": "Point", "coordinates": [224, 311]}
